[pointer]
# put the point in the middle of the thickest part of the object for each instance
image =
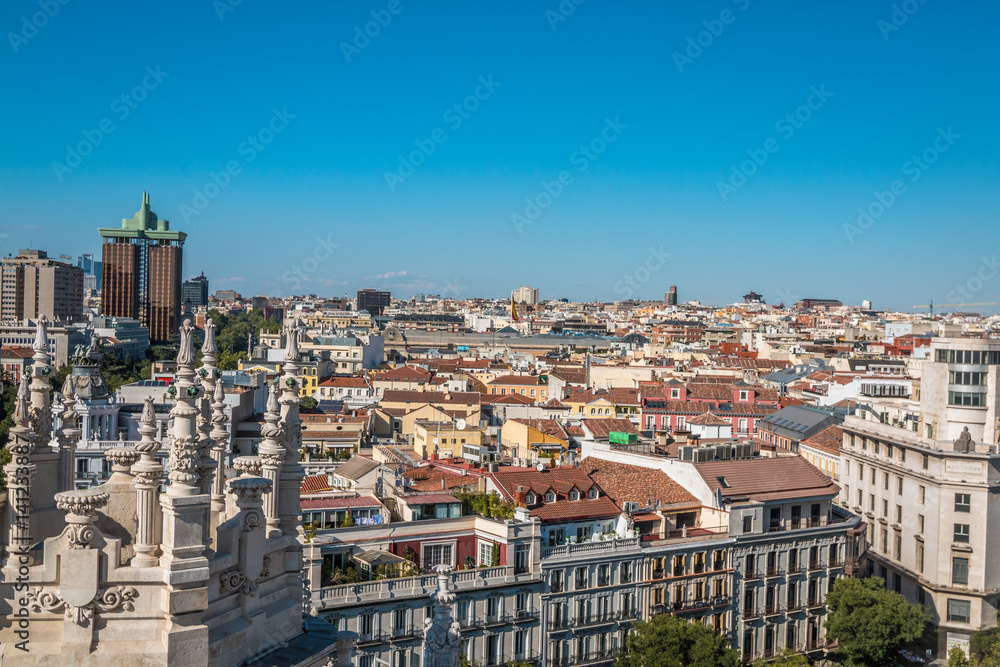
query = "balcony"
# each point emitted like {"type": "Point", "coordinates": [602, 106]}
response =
{"type": "Point", "coordinates": [601, 547]}
{"type": "Point", "coordinates": [772, 572]}
{"type": "Point", "coordinates": [594, 619]}
{"type": "Point", "coordinates": [657, 573]}
{"type": "Point", "coordinates": [372, 638]}
{"type": "Point", "coordinates": [835, 562]}
{"type": "Point", "coordinates": [750, 575]}
{"type": "Point", "coordinates": [773, 610]}
{"type": "Point", "coordinates": [559, 625]}
{"type": "Point", "coordinates": [814, 603]}
{"type": "Point", "coordinates": [628, 614]}
{"type": "Point", "coordinates": [592, 658]}
{"type": "Point", "coordinates": [603, 581]}
{"type": "Point", "coordinates": [498, 619]}
{"type": "Point", "coordinates": [815, 565]}
{"type": "Point", "coordinates": [679, 571]}
{"type": "Point", "coordinates": [404, 633]}
{"type": "Point", "coordinates": [525, 616]}
{"type": "Point", "coordinates": [793, 605]}
{"type": "Point", "coordinates": [794, 568]}
{"type": "Point", "coordinates": [752, 613]}
{"type": "Point", "coordinates": [556, 587]}
{"type": "Point", "coordinates": [699, 604]}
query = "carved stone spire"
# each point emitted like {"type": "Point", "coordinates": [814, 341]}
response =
{"type": "Point", "coordinates": [220, 440]}
{"type": "Point", "coordinates": [208, 345]}
{"type": "Point", "coordinates": [41, 343]}
{"type": "Point", "coordinates": [146, 479]}
{"type": "Point", "coordinates": [68, 436]}
{"type": "Point", "coordinates": [442, 639]}
{"type": "Point", "coordinates": [291, 340]}
{"type": "Point", "coordinates": [272, 455]}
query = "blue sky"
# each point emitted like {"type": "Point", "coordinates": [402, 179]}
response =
{"type": "Point", "coordinates": [682, 92]}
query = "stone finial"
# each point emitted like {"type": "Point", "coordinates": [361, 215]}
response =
{"type": "Point", "coordinates": [122, 459]}
{"type": "Point", "coordinates": [22, 406]}
{"type": "Point", "coordinates": [208, 347]}
{"type": "Point", "coordinates": [81, 513]}
{"type": "Point", "coordinates": [185, 357]}
{"type": "Point", "coordinates": [291, 340]}
{"type": "Point", "coordinates": [248, 489]}
{"type": "Point", "coordinates": [41, 343]}
{"type": "Point", "coordinates": [249, 466]}
{"type": "Point", "coordinates": [147, 429]}
{"type": "Point", "coordinates": [442, 637]}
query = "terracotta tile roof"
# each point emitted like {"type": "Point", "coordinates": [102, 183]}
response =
{"type": "Point", "coordinates": [403, 374]}
{"type": "Point", "coordinates": [555, 404]}
{"type": "Point", "coordinates": [600, 428]}
{"type": "Point", "coordinates": [509, 399]}
{"type": "Point", "coordinates": [570, 376]}
{"type": "Point", "coordinates": [707, 419]}
{"type": "Point", "coordinates": [829, 440]}
{"type": "Point", "coordinates": [315, 484]}
{"type": "Point", "coordinates": [429, 499]}
{"type": "Point", "coordinates": [15, 352]}
{"type": "Point", "coordinates": [421, 397]}
{"type": "Point", "coordinates": [623, 482]}
{"type": "Point", "coordinates": [765, 479]}
{"type": "Point", "coordinates": [697, 408]}
{"type": "Point", "coordinates": [576, 510]}
{"type": "Point", "coordinates": [353, 382]}
{"type": "Point", "coordinates": [338, 503]}
{"type": "Point", "coordinates": [547, 426]}
{"type": "Point", "coordinates": [561, 479]}
{"type": "Point", "coordinates": [432, 482]}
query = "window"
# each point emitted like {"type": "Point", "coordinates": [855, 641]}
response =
{"type": "Point", "coordinates": [861, 471]}
{"type": "Point", "coordinates": [920, 523]}
{"type": "Point", "coordinates": [924, 461]}
{"type": "Point", "coordinates": [520, 637]}
{"type": "Point", "coordinates": [872, 471]}
{"type": "Point", "coordinates": [897, 546]}
{"type": "Point", "coordinates": [485, 553]}
{"type": "Point", "coordinates": [920, 556]}
{"type": "Point", "coordinates": [581, 578]}
{"type": "Point", "coordinates": [437, 554]}
{"type": "Point", "coordinates": [959, 611]}
{"type": "Point", "coordinates": [366, 625]}
{"type": "Point", "coordinates": [962, 532]}
{"type": "Point", "coordinates": [899, 485]}
{"type": "Point", "coordinates": [963, 502]}
{"type": "Point", "coordinates": [960, 571]}
{"type": "Point", "coordinates": [748, 523]}
{"type": "Point", "coordinates": [550, 497]}
{"type": "Point", "coordinates": [871, 502]}
{"type": "Point", "coordinates": [885, 507]}
{"type": "Point", "coordinates": [923, 493]}
{"type": "Point", "coordinates": [899, 514]}
{"type": "Point", "coordinates": [966, 398]}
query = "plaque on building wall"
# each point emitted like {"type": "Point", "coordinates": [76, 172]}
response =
{"type": "Point", "coordinates": [970, 467]}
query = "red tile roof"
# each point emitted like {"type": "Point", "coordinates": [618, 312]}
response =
{"type": "Point", "coordinates": [600, 428]}
{"type": "Point", "coordinates": [353, 382]}
{"type": "Point", "coordinates": [519, 380]}
{"type": "Point", "coordinates": [829, 440]}
{"type": "Point", "coordinates": [576, 510]}
{"type": "Point", "coordinates": [315, 484]}
{"type": "Point", "coordinates": [429, 499]}
{"type": "Point", "coordinates": [338, 503]}
{"type": "Point", "coordinates": [764, 479]}
{"type": "Point", "coordinates": [707, 419]}
{"type": "Point", "coordinates": [623, 483]}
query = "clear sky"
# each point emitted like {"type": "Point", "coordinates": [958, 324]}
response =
{"type": "Point", "coordinates": [648, 111]}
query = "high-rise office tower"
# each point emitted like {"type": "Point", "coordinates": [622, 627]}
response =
{"type": "Point", "coordinates": [141, 272]}
{"type": "Point", "coordinates": [32, 285]}
{"type": "Point", "coordinates": [373, 301]}
{"type": "Point", "coordinates": [671, 296]}
{"type": "Point", "coordinates": [195, 291]}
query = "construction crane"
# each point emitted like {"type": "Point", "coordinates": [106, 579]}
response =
{"type": "Point", "coordinates": [955, 305]}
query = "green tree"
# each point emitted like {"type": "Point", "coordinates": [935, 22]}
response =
{"type": "Point", "coordinates": [309, 403]}
{"type": "Point", "coordinates": [956, 657]}
{"type": "Point", "coordinates": [669, 641]}
{"type": "Point", "coordinates": [872, 625]}
{"type": "Point", "coordinates": [787, 658]}
{"type": "Point", "coordinates": [982, 642]}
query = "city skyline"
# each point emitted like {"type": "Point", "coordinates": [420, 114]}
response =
{"type": "Point", "coordinates": [634, 155]}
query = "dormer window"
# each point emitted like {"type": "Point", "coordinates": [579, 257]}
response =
{"type": "Point", "coordinates": [574, 495]}
{"type": "Point", "coordinates": [744, 395]}
{"type": "Point", "coordinates": [592, 494]}
{"type": "Point", "coordinates": [675, 393]}
{"type": "Point", "coordinates": [529, 499]}
{"type": "Point", "coordinates": [550, 497]}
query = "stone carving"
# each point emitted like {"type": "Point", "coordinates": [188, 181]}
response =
{"type": "Point", "coordinates": [122, 459]}
{"type": "Point", "coordinates": [234, 581]}
{"type": "Point", "coordinates": [266, 568]}
{"type": "Point", "coordinates": [41, 343]}
{"type": "Point", "coordinates": [81, 512]}
{"type": "Point", "coordinates": [186, 354]}
{"type": "Point", "coordinates": [249, 466]}
{"type": "Point", "coordinates": [442, 636]}
{"type": "Point", "coordinates": [291, 340]}
{"type": "Point", "coordinates": [965, 443]}
{"type": "Point", "coordinates": [208, 346]}
{"type": "Point", "coordinates": [115, 598]}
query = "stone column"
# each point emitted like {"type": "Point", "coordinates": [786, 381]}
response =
{"type": "Point", "coordinates": [220, 438]}
{"type": "Point", "coordinates": [20, 472]}
{"type": "Point", "coordinates": [184, 507]}
{"type": "Point", "coordinates": [146, 479]}
{"type": "Point", "coordinates": [206, 466]}
{"type": "Point", "coordinates": [272, 456]}
{"type": "Point", "coordinates": [48, 520]}
{"type": "Point", "coordinates": [69, 437]}
{"type": "Point", "coordinates": [213, 466]}
{"type": "Point", "coordinates": [442, 639]}
{"type": "Point", "coordinates": [290, 485]}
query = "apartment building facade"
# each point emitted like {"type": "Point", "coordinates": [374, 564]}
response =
{"type": "Point", "coordinates": [929, 486]}
{"type": "Point", "coordinates": [33, 286]}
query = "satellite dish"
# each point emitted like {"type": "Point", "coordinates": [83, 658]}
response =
{"type": "Point", "coordinates": [460, 424]}
{"type": "Point", "coordinates": [539, 466]}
